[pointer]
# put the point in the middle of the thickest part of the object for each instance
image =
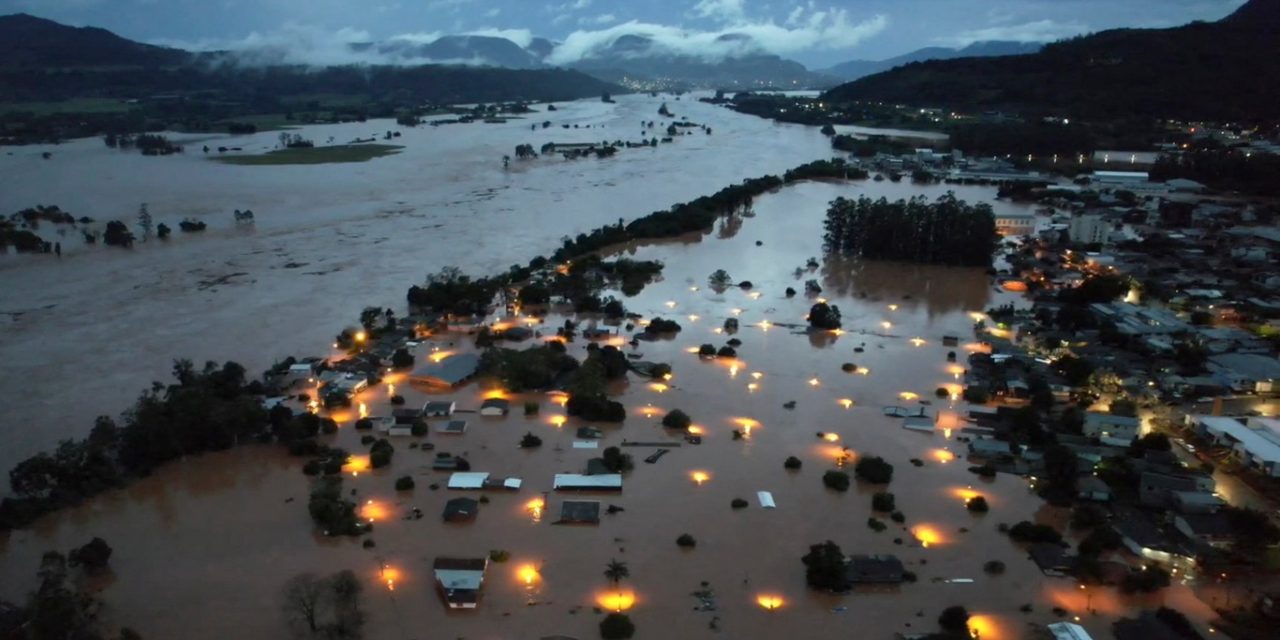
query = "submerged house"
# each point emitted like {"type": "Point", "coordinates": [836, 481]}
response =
{"type": "Point", "coordinates": [495, 407]}
{"type": "Point", "coordinates": [459, 580]}
{"type": "Point", "coordinates": [461, 510]}
{"type": "Point", "coordinates": [874, 569]}
{"type": "Point", "coordinates": [581, 482]}
{"type": "Point", "coordinates": [447, 372]}
{"type": "Point", "coordinates": [579, 512]}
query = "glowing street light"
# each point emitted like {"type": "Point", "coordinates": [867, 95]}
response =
{"type": "Point", "coordinates": [699, 477]}
{"type": "Point", "coordinates": [845, 402]}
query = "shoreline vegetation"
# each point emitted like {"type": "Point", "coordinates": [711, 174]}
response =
{"type": "Point", "coordinates": [217, 407]}
{"type": "Point", "coordinates": [342, 153]}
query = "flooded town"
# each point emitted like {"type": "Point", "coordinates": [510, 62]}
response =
{"type": "Point", "coordinates": [668, 363]}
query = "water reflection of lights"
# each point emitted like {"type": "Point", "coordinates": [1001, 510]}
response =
{"type": "Point", "coordinates": [558, 421]}
{"type": "Point", "coordinates": [439, 356]}
{"type": "Point", "coordinates": [696, 430]}
{"type": "Point", "coordinates": [373, 511]}
{"type": "Point", "coordinates": [658, 386]}
{"type": "Point", "coordinates": [671, 304]}
{"type": "Point", "coordinates": [496, 394]}
{"type": "Point", "coordinates": [943, 456]}
{"type": "Point", "coordinates": [755, 295]}
{"type": "Point", "coordinates": [559, 397]}
{"type": "Point", "coordinates": [919, 342]}
{"type": "Point", "coordinates": [770, 602]}
{"type": "Point", "coordinates": [616, 600]}
{"type": "Point", "coordinates": [736, 311]}
{"type": "Point", "coordinates": [356, 464]}
{"type": "Point", "coordinates": [535, 508]}
{"type": "Point", "coordinates": [693, 318]}
{"type": "Point", "coordinates": [886, 324]}
{"type": "Point", "coordinates": [528, 574]}
{"type": "Point", "coordinates": [756, 375]}
{"type": "Point", "coordinates": [927, 535]}
{"type": "Point", "coordinates": [692, 350]}
{"type": "Point", "coordinates": [831, 437]}
{"type": "Point", "coordinates": [751, 387]}
{"type": "Point", "coordinates": [984, 627]}
{"type": "Point", "coordinates": [908, 395]}
{"type": "Point", "coordinates": [699, 477]}
{"type": "Point", "coordinates": [813, 382]}
{"type": "Point", "coordinates": [893, 307]}
{"type": "Point", "coordinates": [733, 371]}
{"type": "Point", "coordinates": [845, 402]}
{"type": "Point", "coordinates": [389, 576]}
{"type": "Point", "coordinates": [765, 324]}
{"type": "Point", "coordinates": [964, 493]}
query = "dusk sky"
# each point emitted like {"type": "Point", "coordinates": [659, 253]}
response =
{"type": "Point", "coordinates": [815, 32]}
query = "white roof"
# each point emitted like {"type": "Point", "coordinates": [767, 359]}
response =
{"type": "Point", "coordinates": [1260, 444]}
{"type": "Point", "coordinates": [1068, 631]}
{"type": "Point", "coordinates": [512, 483]}
{"type": "Point", "coordinates": [766, 499]}
{"type": "Point", "coordinates": [577, 480]}
{"type": "Point", "coordinates": [586, 444]}
{"type": "Point", "coordinates": [300, 368]}
{"type": "Point", "coordinates": [467, 480]}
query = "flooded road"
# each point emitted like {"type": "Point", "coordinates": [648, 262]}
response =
{"type": "Point", "coordinates": [203, 547]}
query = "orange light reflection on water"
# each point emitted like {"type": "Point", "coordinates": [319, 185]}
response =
{"type": "Point", "coordinates": [616, 600]}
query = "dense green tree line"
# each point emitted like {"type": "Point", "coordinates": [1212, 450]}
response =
{"type": "Point", "coordinates": [946, 231]}
{"type": "Point", "coordinates": [1227, 169]}
{"type": "Point", "coordinates": [203, 410]}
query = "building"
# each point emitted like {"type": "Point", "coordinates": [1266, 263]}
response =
{"type": "Point", "coordinates": [1157, 489]}
{"type": "Point", "coordinates": [1120, 178]}
{"type": "Point", "coordinates": [495, 407]}
{"type": "Point", "coordinates": [452, 427]}
{"type": "Point", "coordinates": [1108, 425]}
{"type": "Point", "coordinates": [448, 371]}
{"type": "Point", "coordinates": [438, 409]}
{"type": "Point", "coordinates": [1091, 487]}
{"type": "Point", "coordinates": [1015, 223]}
{"type": "Point", "coordinates": [461, 510]}
{"type": "Point", "coordinates": [983, 448]}
{"type": "Point", "coordinates": [580, 482]}
{"type": "Point", "coordinates": [481, 480]}
{"type": "Point", "coordinates": [873, 569]}
{"type": "Point", "coordinates": [1089, 228]}
{"type": "Point", "coordinates": [1246, 372]}
{"type": "Point", "coordinates": [1195, 501]}
{"type": "Point", "coordinates": [459, 580]}
{"type": "Point", "coordinates": [1212, 529]}
{"type": "Point", "coordinates": [1068, 631]}
{"type": "Point", "coordinates": [1255, 443]}
{"type": "Point", "coordinates": [1051, 558]}
{"type": "Point", "coordinates": [579, 512]}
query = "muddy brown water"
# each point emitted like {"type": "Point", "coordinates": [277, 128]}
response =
{"type": "Point", "coordinates": [203, 547]}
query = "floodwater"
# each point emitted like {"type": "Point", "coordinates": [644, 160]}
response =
{"type": "Point", "coordinates": [203, 547]}
{"type": "Point", "coordinates": [84, 334]}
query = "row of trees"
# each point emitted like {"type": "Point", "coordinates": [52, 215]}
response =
{"type": "Point", "coordinates": [203, 410]}
{"type": "Point", "coordinates": [946, 231]}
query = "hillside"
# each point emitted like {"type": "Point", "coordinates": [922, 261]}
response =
{"type": "Point", "coordinates": [1227, 70]}
{"type": "Point", "coordinates": [27, 42]}
{"type": "Point", "coordinates": [855, 69]}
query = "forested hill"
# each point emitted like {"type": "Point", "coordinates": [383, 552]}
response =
{"type": "Point", "coordinates": [1226, 70]}
{"type": "Point", "coordinates": [44, 61]}
{"type": "Point", "coordinates": [29, 42]}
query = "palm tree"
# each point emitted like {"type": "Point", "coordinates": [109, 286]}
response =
{"type": "Point", "coordinates": [616, 571]}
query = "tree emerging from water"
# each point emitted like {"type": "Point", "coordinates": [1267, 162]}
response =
{"type": "Point", "coordinates": [945, 231]}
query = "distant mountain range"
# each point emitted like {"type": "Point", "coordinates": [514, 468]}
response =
{"type": "Point", "coordinates": [854, 69]}
{"type": "Point", "coordinates": [35, 43]}
{"type": "Point", "coordinates": [1223, 71]}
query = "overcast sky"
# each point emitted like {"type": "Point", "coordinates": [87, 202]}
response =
{"type": "Point", "coordinates": [815, 32]}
